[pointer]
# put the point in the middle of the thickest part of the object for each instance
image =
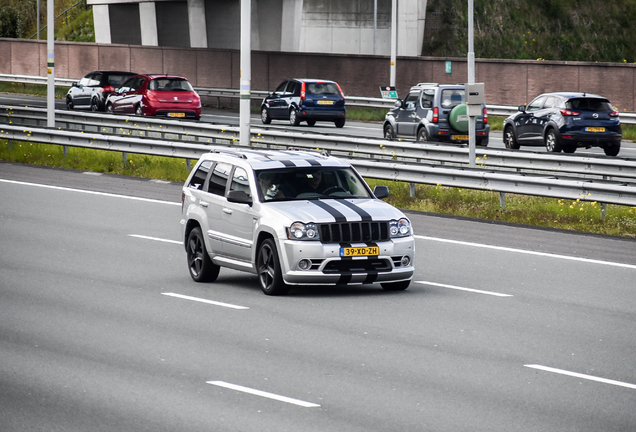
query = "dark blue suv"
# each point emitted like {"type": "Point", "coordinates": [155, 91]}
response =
{"type": "Point", "coordinates": [307, 100]}
{"type": "Point", "coordinates": [565, 121]}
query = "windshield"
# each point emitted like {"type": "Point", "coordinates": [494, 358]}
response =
{"type": "Point", "coordinates": [301, 183]}
{"type": "Point", "coordinates": [169, 84]}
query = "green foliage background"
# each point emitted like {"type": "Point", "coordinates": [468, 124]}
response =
{"type": "Point", "coordinates": [572, 30]}
{"type": "Point", "coordinates": [18, 19]}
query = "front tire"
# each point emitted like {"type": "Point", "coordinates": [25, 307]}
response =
{"type": "Point", "coordinates": [94, 105]}
{"type": "Point", "coordinates": [389, 134]}
{"type": "Point", "coordinates": [265, 118]}
{"type": "Point", "coordinates": [552, 143]}
{"type": "Point", "coordinates": [509, 139]}
{"type": "Point", "coordinates": [109, 108]}
{"type": "Point", "coordinates": [69, 103]}
{"type": "Point", "coordinates": [202, 269]}
{"type": "Point", "coordinates": [268, 267]}
{"type": "Point", "coordinates": [396, 286]}
{"type": "Point", "coordinates": [138, 111]}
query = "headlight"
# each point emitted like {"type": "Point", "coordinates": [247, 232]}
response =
{"type": "Point", "coordinates": [400, 228]}
{"type": "Point", "coordinates": [301, 231]}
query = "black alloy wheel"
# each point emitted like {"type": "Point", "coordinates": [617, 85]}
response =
{"type": "Point", "coordinates": [94, 105]}
{"type": "Point", "coordinates": [138, 111]}
{"type": "Point", "coordinates": [202, 269]}
{"type": "Point", "coordinates": [109, 108]}
{"type": "Point", "coordinates": [268, 268]}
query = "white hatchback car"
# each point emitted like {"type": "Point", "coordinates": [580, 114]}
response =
{"type": "Point", "coordinates": [293, 218]}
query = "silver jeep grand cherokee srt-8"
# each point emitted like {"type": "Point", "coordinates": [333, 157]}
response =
{"type": "Point", "coordinates": [293, 218]}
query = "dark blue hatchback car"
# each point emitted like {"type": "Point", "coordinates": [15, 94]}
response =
{"type": "Point", "coordinates": [307, 100]}
{"type": "Point", "coordinates": [565, 121]}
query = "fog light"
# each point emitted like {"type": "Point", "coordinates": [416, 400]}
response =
{"type": "Point", "coordinates": [304, 264]}
{"type": "Point", "coordinates": [405, 261]}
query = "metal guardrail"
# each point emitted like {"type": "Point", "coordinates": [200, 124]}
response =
{"type": "Point", "coordinates": [408, 152]}
{"type": "Point", "coordinates": [602, 191]}
{"type": "Point", "coordinates": [501, 110]}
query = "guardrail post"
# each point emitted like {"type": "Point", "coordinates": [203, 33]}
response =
{"type": "Point", "coordinates": [65, 151]}
{"type": "Point", "coordinates": [124, 156]}
{"type": "Point", "coordinates": [412, 190]}
{"type": "Point", "coordinates": [502, 201]}
{"type": "Point", "coordinates": [603, 211]}
{"type": "Point", "coordinates": [188, 165]}
{"type": "Point", "coordinates": [10, 142]}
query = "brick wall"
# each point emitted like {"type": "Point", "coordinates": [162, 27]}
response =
{"type": "Point", "coordinates": [507, 82]}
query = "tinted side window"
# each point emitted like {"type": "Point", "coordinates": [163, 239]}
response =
{"type": "Point", "coordinates": [281, 87]}
{"type": "Point", "coordinates": [200, 174]}
{"type": "Point", "coordinates": [411, 99]}
{"type": "Point", "coordinates": [94, 80]}
{"type": "Point", "coordinates": [536, 104]}
{"type": "Point", "coordinates": [240, 181]}
{"type": "Point", "coordinates": [218, 178]}
{"type": "Point", "coordinates": [293, 88]}
{"type": "Point", "coordinates": [117, 80]}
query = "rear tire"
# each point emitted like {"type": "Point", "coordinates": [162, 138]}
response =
{"type": "Point", "coordinates": [311, 122]}
{"type": "Point", "coordinates": [110, 109]}
{"type": "Point", "coordinates": [422, 135]}
{"type": "Point", "coordinates": [339, 123]}
{"type": "Point", "coordinates": [293, 117]}
{"type": "Point", "coordinates": [396, 286]}
{"type": "Point", "coordinates": [612, 150]}
{"type": "Point", "coordinates": [268, 267]}
{"type": "Point", "coordinates": [94, 105]}
{"type": "Point", "coordinates": [265, 118]}
{"type": "Point", "coordinates": [552, 143]}
{"type": "Point", "coordinates": [202, 269]}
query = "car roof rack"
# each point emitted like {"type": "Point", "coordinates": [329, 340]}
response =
{"type": "Point", "coordinates": [323, 153]}
{"type": "Point", "coordinates": [426, 83]}
{"type": "Point", "coordinates": [237, 153]}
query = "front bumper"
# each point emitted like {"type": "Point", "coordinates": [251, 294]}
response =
{"type": "Point", "coordinates": [329, 268]}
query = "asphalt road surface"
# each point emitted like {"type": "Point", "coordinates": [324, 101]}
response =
{"type": "Point", "coordinates": [351, 128]}
{"type": "Point", "coordinates": [504, 328]}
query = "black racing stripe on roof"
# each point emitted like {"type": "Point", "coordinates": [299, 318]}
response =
{"type": "Point", "coordinates": [366, 217]}
{"type": "Point", "coordinates": [313, 162]}
{"type": "Point", "coordinates": [287, 163]}
{"type": "Point", "coordinates": [339, 217]}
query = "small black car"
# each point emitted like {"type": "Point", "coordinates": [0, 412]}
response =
{"type": "Point", "coordinates": [307, 100]}
{"type": "Point", "coordinates": [565, 121]}
{"type": "Point", "coordinates": [92, 90]}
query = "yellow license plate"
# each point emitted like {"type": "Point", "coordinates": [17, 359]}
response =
{"type": "Point", "coordinates": [459, 137]}
{"type": "Point", "coordinates": [176, 114]}
{"type": "Point", "coordinates": [595, 129]}
{"type": "Point", "coordinates": [360, 251]}
{"type": "Point", "coordinates": [325, 102]}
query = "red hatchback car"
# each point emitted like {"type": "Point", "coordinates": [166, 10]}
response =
{"type": "Point", "coordinates": [155, 95]}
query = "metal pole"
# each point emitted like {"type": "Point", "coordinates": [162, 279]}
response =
{"type": "Point", "coordinates": [38, 19]}
{"type": "Point", "coordinates": [50, 63]}
{"type": "Point", "coordinates": [375, 24]}
{"type": "Point", "coordinates": [393, 40]}
{"type": "Point", "coordinates": [471, 80]}
{"type": "Point", "coordinates": [246, 71]}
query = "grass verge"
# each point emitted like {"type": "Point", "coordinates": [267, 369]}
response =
{"type": "Point", "coordinates": [546, 212]}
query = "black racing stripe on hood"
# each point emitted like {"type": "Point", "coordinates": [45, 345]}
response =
{"type": "Point", "coordinates": [366, 217]}
{"type": "Point", "coordinates": [371, 277]}
{"type": "Point", "coordinates": [339, 217]}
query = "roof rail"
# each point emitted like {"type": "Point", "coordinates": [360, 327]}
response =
{"type": "Point", "coordinates": [323, 153]}
{"type": "Point", "coordinates": [426, 83]}
{"type": "Point", "coordinates": [235, 153]}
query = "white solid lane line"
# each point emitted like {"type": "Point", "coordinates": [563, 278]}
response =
{"type": "Point", "coordinates": [496, 294]}
{"type": "Point", "coordinates": [583, 376]}
{"type": "Point", "coordinates": [154, 238]}
{"type": "Point", "coordinates": [200, 300]}
{"type": "Point", "coordinates": [263, 394]}
{"type": "Point", "coordinates": [529, 252]}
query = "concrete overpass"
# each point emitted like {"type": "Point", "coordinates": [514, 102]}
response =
{"type": "Point", "coordinates": [324, 26]}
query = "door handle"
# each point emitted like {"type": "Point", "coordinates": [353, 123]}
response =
{"type": "Point", "coordinates": [203, 204]}
{"type": "Point", "coordinates": [227, 211]}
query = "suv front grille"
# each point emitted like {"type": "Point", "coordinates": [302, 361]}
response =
{"type": "Point", "coordinates": [354, 232]}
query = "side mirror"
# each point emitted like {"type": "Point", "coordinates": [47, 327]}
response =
{"type": "Point", "coordinates": [381, 192]}
{"type": "Point", "coordinates": [75, 84]}
{"type": "Point", "coordinates": [239, 196]}
{"type": "Point", "coordinates": [522, 108]}
{"type": "Point", "coordinates": [398, 103]}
